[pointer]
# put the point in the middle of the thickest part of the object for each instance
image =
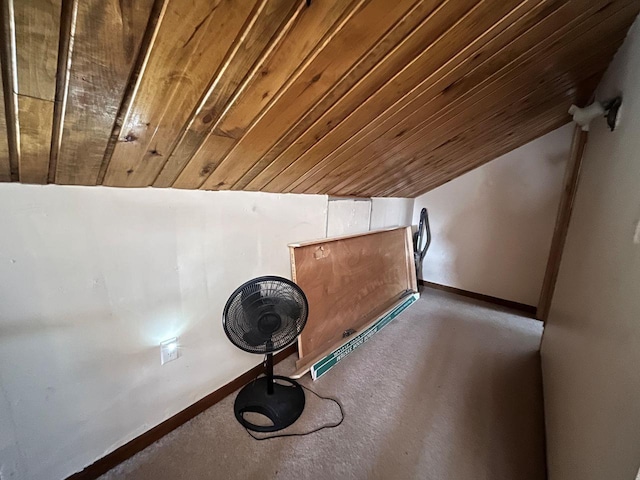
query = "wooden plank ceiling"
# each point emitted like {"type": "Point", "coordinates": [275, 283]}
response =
{"type": "Point", "coordinates": [349, 97]}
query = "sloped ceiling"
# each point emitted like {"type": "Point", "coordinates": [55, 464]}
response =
{"type": "Point", "coordinates": [345, 97]}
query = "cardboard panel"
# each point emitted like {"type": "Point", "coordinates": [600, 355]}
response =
{"type": "Point", "coordinates": [348, 280]}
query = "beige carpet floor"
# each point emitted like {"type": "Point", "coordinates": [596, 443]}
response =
{"type": "Point", "coordinates": [451, 389]}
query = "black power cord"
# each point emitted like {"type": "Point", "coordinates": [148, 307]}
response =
{"type": "Point", "coordinates": [302, 434]}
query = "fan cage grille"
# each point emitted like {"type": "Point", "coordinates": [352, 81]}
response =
{"type": "Point", "coordinates": [265, 314]}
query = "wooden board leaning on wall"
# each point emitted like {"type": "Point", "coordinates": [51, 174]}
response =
{"type": "Point", "coordinates": [349, 281]}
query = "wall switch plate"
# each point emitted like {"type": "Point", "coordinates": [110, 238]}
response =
{"type": "Point", "coordinates": [169, 350]}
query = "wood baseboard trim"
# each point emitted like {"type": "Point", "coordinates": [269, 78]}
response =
{"type": "Point", "coordinates": [139, 443]}
{"type": "Point", "coordinates": [529, 310]}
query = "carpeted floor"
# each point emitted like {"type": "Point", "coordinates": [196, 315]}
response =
{"type": "Point", "coordinates": [451, 389]}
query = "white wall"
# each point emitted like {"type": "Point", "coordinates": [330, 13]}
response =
{"type": "Point", "coordinates": [390, 212]}
{"type": "Point", "coordinates": [591, 344]}
{"type": "Point", "coordinates": [492, 227]}
{"type": "Point", "coordinates": [348, 216]}
{"type": "Point", "coordinates": [92, 279]}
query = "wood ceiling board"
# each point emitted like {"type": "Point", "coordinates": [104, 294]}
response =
{"type": "Point", "coordinates": [449, 45]}
{"type": "Point", "coordinates": [519, 80]}
{"type": "Point", "coordinates": [350, 98]}
{"type": "Point", "coordinates": [36, 123]}
{"type": "Point", "coordinates": [304, 38]}
{"type": "Point", "coordinates": [504, 125]}
{"type": "Point", "coordinates": [409, 53]}
{"type": "Point", "coordinates": [461, 156]}
{"type": "Point", "coordinates": [312, 29]}
{"type": "Point", "coordinates": [438, 174]}
{"type": "Point", "coordinates": [380, 50]}
{"type": "Point", "coordinates": [390, 132]}
{"type": "Point", "coordinates": [394, 169]}
{"type": "Point", "coordinates": [440, 178]}
{"type": "Point", "coordinates": [544, 123]}
{"type": "Point", "coordinates": [240, 50]}
{"type": "Point", "coordinates": [105, 46]}
{"type": "Point", "coordinates": [188, 47]}
{"type": "Point", "coordinates": [450, 99]}
{"type": "Point", "coordinates": [37, 28]}
{"type": "Point", "coordinates": [507, 125]}
{"type": "Point", "coordinates": [357, 36]}
{"type": "Point", "coordinates": [584, 68]}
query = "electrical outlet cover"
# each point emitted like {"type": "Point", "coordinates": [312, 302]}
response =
{"type": "Point", "coordinates": [169, 350]}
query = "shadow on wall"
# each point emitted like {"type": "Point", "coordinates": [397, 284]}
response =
{"type": "Point", "coordinates": [506, 245]}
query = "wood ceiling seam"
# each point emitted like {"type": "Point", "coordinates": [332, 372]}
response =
{"type": "Point", "coordinates": [270, 49]}
{"type": "Point", "coordinates": [135, 79]}
{"type": "Point", "coordinates": [68, 21]}
{"type": "Point", "coordinates": [435, 115]}
{"type": "Point", "coordinates": [326, 38]}
{"type": "Point", "coordinates": [252, 172]}
{"type": "Point", "coordinates": [352, 88]}
{"type": "Point", "coordinates": [8, 60]}
{"type": "Point", "coordinates": [504, 21]}
{"type": "Point", "coordinates": [211, 179]}
{"type": "Point", "coordinates": [232, 53]}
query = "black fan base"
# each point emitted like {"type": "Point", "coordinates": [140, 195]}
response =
{"type": "Point", "coordinates": [282, 407]}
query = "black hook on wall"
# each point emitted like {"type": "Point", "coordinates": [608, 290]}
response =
{"type": "Point", "coordinates": [612, 107]}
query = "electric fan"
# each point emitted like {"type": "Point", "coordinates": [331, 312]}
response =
{"type": "Point", "coordinates": [265, 315]}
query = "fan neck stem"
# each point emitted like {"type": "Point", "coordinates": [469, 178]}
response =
{"type": "Point", "coordinates": [269, 368]}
